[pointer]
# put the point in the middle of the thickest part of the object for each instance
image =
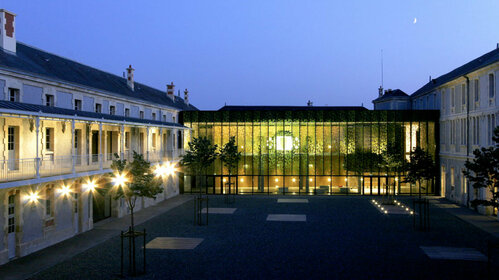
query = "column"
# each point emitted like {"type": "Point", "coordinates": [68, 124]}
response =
{"type": "Point", "coordinates": [73, 150]}
{"type": "Point", "coordinates": [122, 140]}
{"type": "Point", "coordinates": [37, 159]}
{"type": "Point", "coordinates": [100, 146]}
{"type": "Point", "coordinates": [161, 145]}
{"type": "Point", "coordinates": [147, 143]}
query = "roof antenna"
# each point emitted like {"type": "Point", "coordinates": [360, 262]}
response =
{"type": "Point", "coordinates": [381, 67]}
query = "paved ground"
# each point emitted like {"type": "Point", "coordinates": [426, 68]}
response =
{"type": "Point", "coordinates": [343, 238]}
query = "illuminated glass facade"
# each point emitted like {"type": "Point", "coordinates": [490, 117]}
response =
{"type": "Point", "coordinates": [311, 150]}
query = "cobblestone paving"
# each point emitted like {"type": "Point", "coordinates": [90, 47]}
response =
{"type": "Point", "coordinates": [343, 238]}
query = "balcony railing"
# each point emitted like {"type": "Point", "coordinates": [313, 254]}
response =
{"type": "Point", "coordinates": [50, 165]}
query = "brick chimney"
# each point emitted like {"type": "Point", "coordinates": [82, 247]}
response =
{"type": "Point", "coordinates": [129, 77]}
{"type": "Point", "coordinates": [186, 96]}
{"type": "Point", "coordinates": [170, 91]}
{"type": "Point", "coordinates": [7, 31]}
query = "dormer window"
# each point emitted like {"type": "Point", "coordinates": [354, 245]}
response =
{"type": "Point", "coordinates": [77, 104]}
{"type": "Point", "coordinates": [49, 100]}
{"type": "Point", "coordinates": [112, 110]}
{"type": "Point", "coordinates": [14, 95]}
{"type": "Point", "coordinates": [98, 108]}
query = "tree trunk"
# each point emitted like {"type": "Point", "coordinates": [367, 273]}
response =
{"type": "Point", "coordinates": [131, 219]}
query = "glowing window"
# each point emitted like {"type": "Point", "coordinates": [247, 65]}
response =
{"type": "Point", "coordinates": [284, 143]}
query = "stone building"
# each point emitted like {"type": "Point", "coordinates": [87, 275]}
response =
{"type": "Point", "coordinates": [469, 106]}
{"type": "Point", "coordinates": [60, 124]}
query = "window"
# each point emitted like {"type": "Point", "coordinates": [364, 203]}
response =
{"type": "Point", "coordinates": [11, 212]}
{"type": "Point", "coordinates": [154, 116]}
{"type": "Point", "coordinates": [49, 100]}
{"type": "Point", "coordinates": [14, 95]}
{"type": "Point", "coordinates": [112, 110]}
{"type": "Point", "coordinates": [98, 108]}
{"type": "Point", "coordinates": [173, 118]}
{"type": "Point", "coordinates": [127, 112]}
{"type": "Point", "coordinates": [77, 104]}
{"type": "Point", "coordinates": [49, 196]}
{"type": "Point", "coordinates": [164, 118]}
{"type": "Point", "coordinates": [141, 114]}
{"type": "Point", "coordinates": [179, 141]}
{"type": "Point", "coordinates": [452, 176]}
{"type": "Point", "coordinates": [492, 87]}
{"type": "Point", "coordinates": [77, 139]}
{"type": "Point", "coordinates": [49, 139]}
{"type": "Point", "coordinates": [464, 183]}
{"type": "Point", "coordinates": [154, 140]}
{"type": "Point", "coordinates": [452, 99]}
{"type": "Point", "coordinates": [443, 100]}
{"type": "Point", "coordinates": [127, 140]}
{"type": "Point", "coordinates": [463, 95]}
{"type": "Point", "coordinates": [477, 90]}
{"type": "Point", "coordinates": [11, 138]}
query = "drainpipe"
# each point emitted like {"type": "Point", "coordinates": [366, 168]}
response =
{"type": "Point", "coordinates": [467, 135]}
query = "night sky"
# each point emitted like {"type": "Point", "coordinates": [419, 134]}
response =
{"type": "Point", "coordinates": [265, 52]}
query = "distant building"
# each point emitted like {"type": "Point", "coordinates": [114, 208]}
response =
{"type": "Point", "coordinates": [60, 124]}
{"type": "Point", "coordinates": [469, 106]}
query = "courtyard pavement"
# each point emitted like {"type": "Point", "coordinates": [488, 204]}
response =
{"type": "Point", "coordinates": [340, 238]}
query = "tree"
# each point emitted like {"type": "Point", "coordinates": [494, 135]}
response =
{"type": "Point", "coordinates": [483, 171]}
{"type": "Point", "coordinates": [200, 155]}
{"type": "Point", "coordinates": [361, 161]}
{"type": "Point", "coordinates": [230, 156]}
{"type": "Point", "coordinates": [133, 180]}
{"type": "Point", "coordinates": [420, 167]}
{"type": "Point", "coordinates": [392, 160]}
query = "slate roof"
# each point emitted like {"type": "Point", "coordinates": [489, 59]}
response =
{"type": "Point", "coordinates": [292, 108]}
{"type": "Point", "coordinates": [391, 94]}
{"type": "Point", "coordinates": [482, 61]}
{"type": "Point", "coordinates": [25, 107]}
{"type": "Point", "coordinates": [45, 65]}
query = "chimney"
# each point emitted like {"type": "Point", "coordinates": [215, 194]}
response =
{"type": "Point", "coordinates": [170, 91]}
{"type": "Point", "coordinates": [380, 91]}
{"type": "Point", "coordinates": [186, 96]}
{"type": "Point", "coordinates": [7, 31]}
{"type": "Point", "coordinates": [129, 77]}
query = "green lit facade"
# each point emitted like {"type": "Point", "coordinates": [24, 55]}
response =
{"type": "Point", "coordinates": [316, 150]}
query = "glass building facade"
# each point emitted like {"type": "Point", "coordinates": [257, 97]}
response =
{"type": "Point", "coordinates": [311, 150]}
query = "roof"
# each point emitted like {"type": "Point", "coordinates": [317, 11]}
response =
{"type": "Point", "coordinates": [389, 94]}
{"type": "Point", "coordinates": [24, 108]}
{"type": "Point", "coordinates": [482, 61]}
{"type": "Point", "coordinates": [292, 108]}
{"type": "Point", "coordinates": [45, 65]}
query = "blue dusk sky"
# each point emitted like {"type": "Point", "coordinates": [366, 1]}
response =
{"type": "Point", "coordinates": [252, 52]}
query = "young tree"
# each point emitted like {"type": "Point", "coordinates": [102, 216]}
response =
{"type": "Point", "coordinates": [200, 155]}
{"type": "Point", "coordinates": [392, 160]}
{"type": "Point", "coordinates": [230, 156]}
{"type": "Point", "coordinates": [133, 180]}
{"type": "Point", "coordinates": [361, 161]}
{"type": "Point", "coordinates": [421, 167]}
{"type": "Point", "coordinates": [483, 171]}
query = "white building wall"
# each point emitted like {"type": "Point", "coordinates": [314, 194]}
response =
{"type": "Point", "coordinates": [59, 165]}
